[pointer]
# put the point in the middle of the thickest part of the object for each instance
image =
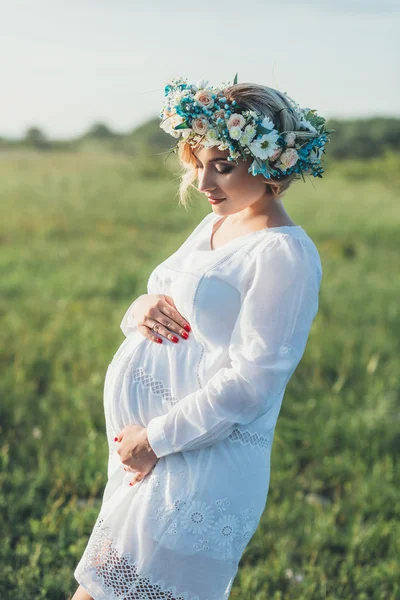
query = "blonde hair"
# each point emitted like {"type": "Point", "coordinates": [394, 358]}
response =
{"type": "Point", "coordinates": [249, 96]}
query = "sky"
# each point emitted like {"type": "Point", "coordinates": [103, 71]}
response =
{"type": "Point", "coordinates": [66, 65]}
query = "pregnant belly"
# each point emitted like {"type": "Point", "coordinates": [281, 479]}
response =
{"type": "Point", "coordinates": [145, 379]}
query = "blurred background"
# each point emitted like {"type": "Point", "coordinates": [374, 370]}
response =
{"type": "Point", "coordinates": [89, 207]}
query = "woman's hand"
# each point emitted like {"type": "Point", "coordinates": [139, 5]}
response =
{"type": "Point", "coordinates": [157, 312]}
{"type": "Point", "coordinates": [135, 451]}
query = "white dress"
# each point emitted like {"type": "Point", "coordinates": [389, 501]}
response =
{"type": "Point", "coordinates": [210, 404]}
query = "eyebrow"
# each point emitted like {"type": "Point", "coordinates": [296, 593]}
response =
{"type": "Point", "coordinates": [213, 159]}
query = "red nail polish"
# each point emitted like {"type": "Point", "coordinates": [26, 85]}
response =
{"type": "Point", "coordinates": [159, 340]}
{"type": "Point", "coordinates": [185, 335]}
{"type": "Point", "coordinates": [131, 483]}
{"type": "Point", "coordinates": [115, 439]}
{"type": "Point", "coordinates": [187, 327]}
{"type": "Point", "coordinates": [175, 339]}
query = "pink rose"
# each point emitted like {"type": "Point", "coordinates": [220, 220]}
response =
{"type": "Point", "coordinates": [236, 120]}
{"type": "Point", "coordinates": [289, 158]}
{"type": "Point", "coordinates": [204, 98]}
{"type": "Point", "coordinates": [200, 125]}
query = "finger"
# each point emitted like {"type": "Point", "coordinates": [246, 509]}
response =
{"type": "Point", "coordinates": [119, 435]}
{"type": "Point", "coordinates": [163, 324]}
{"type": "Point", "coordinates": [149, 333]}
{"type": "Point", "coordinates": [174, 313]}
{"type": "Point", "coordinates": [129, 469]}
{"type": "Point", "coordinates": [136, 478]}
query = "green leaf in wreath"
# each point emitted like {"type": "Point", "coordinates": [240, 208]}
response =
{"type": "Point", "coordinates": [184, 125]}
{"type": "Point", "coordinates": [261, 129]}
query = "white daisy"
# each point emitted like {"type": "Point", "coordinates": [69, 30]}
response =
{"type": "Point", "coordinates": [267, 123]}
{"type": "Point", "coordinates": [265, 146]}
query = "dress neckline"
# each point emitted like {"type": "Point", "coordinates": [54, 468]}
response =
{"type": "Point", "coordinates": [216, 218]}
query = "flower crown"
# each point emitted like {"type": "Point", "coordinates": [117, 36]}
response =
{"type": "Point", "coordinates": [200, 113]}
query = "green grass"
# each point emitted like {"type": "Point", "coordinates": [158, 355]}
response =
{"type": "Point", "coordinates": [79, 235]}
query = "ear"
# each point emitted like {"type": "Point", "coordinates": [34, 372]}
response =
{"type": "Point", "coordinates": [273, 190]}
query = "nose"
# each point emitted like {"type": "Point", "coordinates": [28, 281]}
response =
{"type": "Point", "coordinates": [206, 181]}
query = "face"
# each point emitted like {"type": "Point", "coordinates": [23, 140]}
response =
{"type": "Point", "coordinates": [220, 178]}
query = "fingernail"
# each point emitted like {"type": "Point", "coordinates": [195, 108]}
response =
{"type": "Point", "coordinates": [131, 483]}
{"type": "Point", "coordinates": [187, 327]}
{"type": "Point", "coordinates": [115, 439]}
{"type": "Point", "coordinates": [174, 339]}
{"type": "Point", "coordinates": [185, 335]}
{"type": "Point", "coordinates": [159, 340]}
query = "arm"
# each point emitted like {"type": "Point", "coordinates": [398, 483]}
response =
{"type": "Point", "coordinates": [266, 345]}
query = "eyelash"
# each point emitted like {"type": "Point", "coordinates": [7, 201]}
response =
{"type": "Point", "coordinates": [227, 170]}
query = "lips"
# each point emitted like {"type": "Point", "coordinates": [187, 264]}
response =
{"type": "Point", "coordinates": [211, 201]}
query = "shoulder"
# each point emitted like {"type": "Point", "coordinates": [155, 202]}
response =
{"type": "Point", "coordinates": [292, 248]}
{"type": "Point", "coordinates": [284, 256]}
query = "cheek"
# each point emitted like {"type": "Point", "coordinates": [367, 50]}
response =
{"type": "Point", "coordinates": [244, 184]}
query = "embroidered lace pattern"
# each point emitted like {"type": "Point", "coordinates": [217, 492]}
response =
{"type": "Point", "coordinates": [214, 529]}
{"type": "Point", "coordinates": [157, 387]}
{"type": "Point", "coordinates": [117, 573]}
{"type": "Point", "coordinates": [254, 439]}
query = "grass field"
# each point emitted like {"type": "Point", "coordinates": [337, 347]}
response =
{"type": "Point", "coordinates": [79, 236]}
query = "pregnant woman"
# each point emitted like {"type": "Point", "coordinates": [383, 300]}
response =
{"type": "Point", "coordinates": [193, 393]}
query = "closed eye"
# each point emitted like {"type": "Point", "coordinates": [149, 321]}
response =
{"type": "Point", "coordinates": [223, 171]}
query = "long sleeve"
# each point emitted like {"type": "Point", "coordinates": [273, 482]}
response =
{"type": "Point", "coordinates": [266, 345]}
